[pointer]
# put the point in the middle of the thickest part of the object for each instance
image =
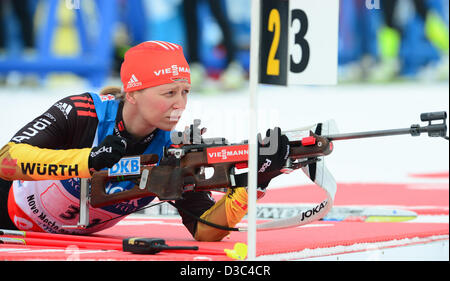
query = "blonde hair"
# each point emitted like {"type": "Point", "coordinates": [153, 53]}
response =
{"type": "Point", "coordinates": [117, 92]}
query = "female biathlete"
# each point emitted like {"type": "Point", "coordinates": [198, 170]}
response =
{"type": "Point", "coordinates": [41, 166]}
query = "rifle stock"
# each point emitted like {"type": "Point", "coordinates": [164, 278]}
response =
{"type": "Point", "coordinates": [100, 198]}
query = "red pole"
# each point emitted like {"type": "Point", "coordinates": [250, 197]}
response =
{"type": "Point", "coordinates": [60, 243]}
{"type": "Point", "coordinates": [87, 242]}
{"type": "Point", "coordinates": [64, 237]}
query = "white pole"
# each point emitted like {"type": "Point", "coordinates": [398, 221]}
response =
{"type": "Point", "coordinates": [253, 147]}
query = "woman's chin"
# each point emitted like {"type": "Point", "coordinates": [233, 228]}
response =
{"type": "Point", "coordinates": [169, 125]}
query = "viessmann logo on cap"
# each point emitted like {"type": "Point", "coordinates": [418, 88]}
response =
{"type": "Point", "coordinates": [174, 70]}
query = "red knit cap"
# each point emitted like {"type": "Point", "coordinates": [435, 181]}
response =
{"type": "Point", "coordinates": [153, 63]}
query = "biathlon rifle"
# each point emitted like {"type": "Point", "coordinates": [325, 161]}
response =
{"type": "Point", "coordinates": [182, 166]}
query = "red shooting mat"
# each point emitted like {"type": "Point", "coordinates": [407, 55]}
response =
{"type": "Point", "coordinates": [423, 198]}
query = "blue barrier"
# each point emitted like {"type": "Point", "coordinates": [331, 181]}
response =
{"type": "Point", "coordinates": [94, 60]}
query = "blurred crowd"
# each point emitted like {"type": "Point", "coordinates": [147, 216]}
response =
{"type": "Point", "coordinates": [379, 40]}
{"type": "Point", "coordinates": [399, 39]}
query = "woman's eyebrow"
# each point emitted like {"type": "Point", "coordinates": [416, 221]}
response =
{"type": "Point", "coordinates": [178, 87]}
{"type": "Point", "coordinates": [170, 88]}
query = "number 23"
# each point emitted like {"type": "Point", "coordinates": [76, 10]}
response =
{"type": "Point", "coordinates": [273, 64]}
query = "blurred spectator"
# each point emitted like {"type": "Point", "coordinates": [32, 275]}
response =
{"type": "Point", "coordinates": [21, 9]}
{"type": "Point", "coordinates": [411, 40]}
{"type": "Point", "coordinates": [357, 49]}
{"type": "Point", "coordinates": [391, 36]}
{"type": "Point", "coordinates": [130, 30]}
{"type": "Point", "coordinates": [233, 76]}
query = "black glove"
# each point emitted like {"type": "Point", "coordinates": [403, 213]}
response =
{"type": "Point", "coordinates": [107, 153]}
{"type": "Point", "coordinates": [271, 156]}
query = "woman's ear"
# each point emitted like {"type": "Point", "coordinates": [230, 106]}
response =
{"type": "Point", "coordinates": [130, 97]}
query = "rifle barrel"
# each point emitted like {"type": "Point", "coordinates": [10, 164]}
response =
{"type": "Point", "coordinates": [369, 134]}
{"type": "Point", "coordinates": [433, 130]}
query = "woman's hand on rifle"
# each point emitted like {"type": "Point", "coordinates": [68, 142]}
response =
{"type": "Point", "coordinates": [273, 152]}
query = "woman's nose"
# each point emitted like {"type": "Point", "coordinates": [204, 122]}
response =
{"type": "Point", "coordinates": [180, 102]}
